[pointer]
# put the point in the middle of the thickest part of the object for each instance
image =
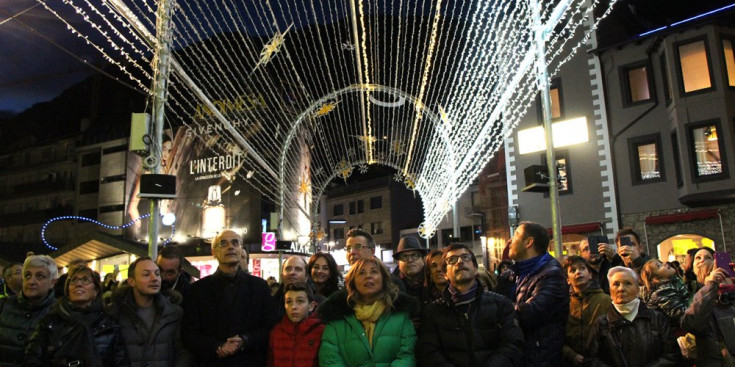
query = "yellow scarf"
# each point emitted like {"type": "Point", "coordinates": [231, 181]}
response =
{"type": "Point", "coordinates": [368, 315]}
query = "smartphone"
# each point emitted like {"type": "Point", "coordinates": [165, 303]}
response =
{"type": "Point", "coordinates": [722, 261]}
{"type": "Point", "coordinates": [594, 242]}
{"type": "Point", "coordinates": [625, 241]}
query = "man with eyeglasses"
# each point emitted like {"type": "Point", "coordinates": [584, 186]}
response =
{"type": "Point", "coordinates": [13, 276]}
{"type": "Point", "coordinates": [229, 314]}
{"type": "Point", "coordinates": [468, 326]}
{"type": "Point", "coordinates": [170, 260]}
{"type": "Point", "coordinates": [537, 285]}
{"type": "Point", "coordinates": [410, 270]}
{"type": "Point", "coordinates": [361, 245]}
{"type": "Point", "coordinates": [20, 314]}
{"type": "Point", "coordinates": [293, 271]}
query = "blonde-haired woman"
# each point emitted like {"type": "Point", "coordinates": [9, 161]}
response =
{"type": "Point", "coordinates": [368, 322]}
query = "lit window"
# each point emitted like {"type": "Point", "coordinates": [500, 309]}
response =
{"type": "Point", "coordinates": [648, 162]}
{"type": "Point", "coordinates": [646, 159]}
{"type": "Point", "coordinates": [555, 103]}
{"type": "Point", "coordinates": [638, 84]}
{"type": "Point", "coordinates": [562, 174]}
{"type": "Point", "coordinates": [729, 61]}
{"type": "Point", "coordinates": [706, 148]}
{"type": "Point", "coordinates": [694, 65]}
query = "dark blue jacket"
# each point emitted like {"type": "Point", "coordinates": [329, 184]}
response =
{"type": "Point", "coordinates": [542, 305]}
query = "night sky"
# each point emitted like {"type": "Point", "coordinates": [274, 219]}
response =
{"type": "Point", "coordinates": [39, 57]}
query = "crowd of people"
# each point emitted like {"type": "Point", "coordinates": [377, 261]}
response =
{"type": "Point", "coordinates": [610, 305]}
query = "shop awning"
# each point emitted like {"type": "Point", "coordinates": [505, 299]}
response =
{"type": "Point", "coordinates": [98, 245]}
{"type": "Point", "coordinates": [578, 228]}
{"type": "Point", "coordinates": [682, 217]}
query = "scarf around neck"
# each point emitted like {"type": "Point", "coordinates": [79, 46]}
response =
{"type": "Point", "coordinates": [628, 310]}
{"type": "Point", "coordinates": [368, 315]}
{"type": "Point", "coordinates": [460, 299]}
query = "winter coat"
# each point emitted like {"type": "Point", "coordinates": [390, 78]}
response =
{"type": "Point", "coordinates": [295, 345]}
{"type": "Point", "coordinates": [18, 319]}
{"type": "Point", "coordinates": [69, 335]}
{"type": "Point", "coordinates": [584, 310]}
{"type": "Point", "coordinates": [219, 307]}
{"type": "Point", "coordinates": [487, 335]}
{"type": "Point", "coordinates": [710, 319]}
{"type": "Point", "coordinates": [344, 342]}
{"type": "Point", "coordinates": [671, 298]}
{"type": "Point", "coordinates": [542, 304]}
{"type": "Point", "coordinates": [160, 346]}
{"type": "Point", "coordinates": [646, 341]}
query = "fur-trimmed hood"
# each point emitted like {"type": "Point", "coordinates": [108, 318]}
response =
{"type": "Point", "coordinates": [337, 308]}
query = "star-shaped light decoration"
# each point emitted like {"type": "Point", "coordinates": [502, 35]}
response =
{"type": "Point", "coordinates": [363, 169]}
{"type": "Point", "coordinates": [344, 169]}
{"type": "Point", "coordinates": [272, 47]}
{"type": "Point", "coordinates": [410, 181]}
{"type": "Point", "coordinates": [304, 185]}
{"type": "Point", "coordinates": [396, 148]}
{"type": "Point", "coordinates": [444, 116]}
{"type": "Point", "coordinates": [425, 231]}
{"type": "Point", "coordinates": [398, 177]}
{"type": "Point", "coordinates": [319, 171]}
{"type": "Point", "coordinates": [326, 108]}
{"type": "Point", "coordinates": [351, 153]}
{"type": "Point", "coordinates": [366, 138]}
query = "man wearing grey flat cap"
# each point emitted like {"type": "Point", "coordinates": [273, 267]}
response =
{"type": "Point", "coordinates": [410, 270]}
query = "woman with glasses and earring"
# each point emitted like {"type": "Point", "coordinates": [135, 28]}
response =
{"type": "Point", "coordinates": [77, 332]}
{"type": "Point", "coordinates": [368, 322]}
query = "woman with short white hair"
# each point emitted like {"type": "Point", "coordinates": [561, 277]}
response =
{"type": "Point", "coordinates": [631, 334]}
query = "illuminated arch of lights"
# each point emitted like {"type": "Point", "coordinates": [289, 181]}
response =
{"type": "Point", "coordinates": [454, 78]}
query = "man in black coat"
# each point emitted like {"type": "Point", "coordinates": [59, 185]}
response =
{"type": "Point", "coordinates": [228, 315]}
{"type": "Point", "coordinates": [539, 290]}
{"type": "Point", "coordinates": [468, 326]}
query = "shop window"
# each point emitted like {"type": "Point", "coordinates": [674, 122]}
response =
{"type": "Point", "coordinates": [637, 82]}
{"type": "Point", "coordinates": [646, 159]}
{"type": "Point", "coordinates": [694, 66]}
{"type": "Point", "coordinates": [729, 55]}
{"type": "Point", "coordinates": [707, 151]}
{"type": "Point", "coordinates": [338, 209]}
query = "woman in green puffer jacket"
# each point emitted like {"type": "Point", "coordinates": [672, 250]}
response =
{"type": "Point", "coordinates": [368, 322]}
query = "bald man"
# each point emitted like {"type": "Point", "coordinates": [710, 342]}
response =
{"type": "Point", "coordinates": [229, 314]}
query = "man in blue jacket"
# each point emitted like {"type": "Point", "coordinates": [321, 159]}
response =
{"type": "Point", "coordinates": [539, 290]}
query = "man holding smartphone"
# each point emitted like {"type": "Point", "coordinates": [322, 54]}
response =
{"type": "Point", "coordinates": [630, 250]}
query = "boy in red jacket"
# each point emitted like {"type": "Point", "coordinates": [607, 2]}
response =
{"type": "Point", "coordinates": [295, 341]}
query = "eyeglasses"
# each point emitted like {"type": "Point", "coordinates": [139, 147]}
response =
{"type": "Point", "coordinates": [357, 246]}
{"type": "Point", "coordinates": [454, 259]}
{"type": "Point", "coordinates": [234, 242]}
{"type": "Point", "coordinates": [83, 280]}
{"type": "Point", "coordinates": [409, 257]}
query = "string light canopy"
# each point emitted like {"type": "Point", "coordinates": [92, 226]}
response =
{"type": "Point", "coordinates": [307, 91]}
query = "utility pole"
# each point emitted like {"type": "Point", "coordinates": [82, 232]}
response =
{"type": "Point", "coordinates": [160, 85]}
{"type": "Point", "coordinates": [540, 32]}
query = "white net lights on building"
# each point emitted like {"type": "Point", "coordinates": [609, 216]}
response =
{"type": "Point", "coordinates": [311, 90]}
